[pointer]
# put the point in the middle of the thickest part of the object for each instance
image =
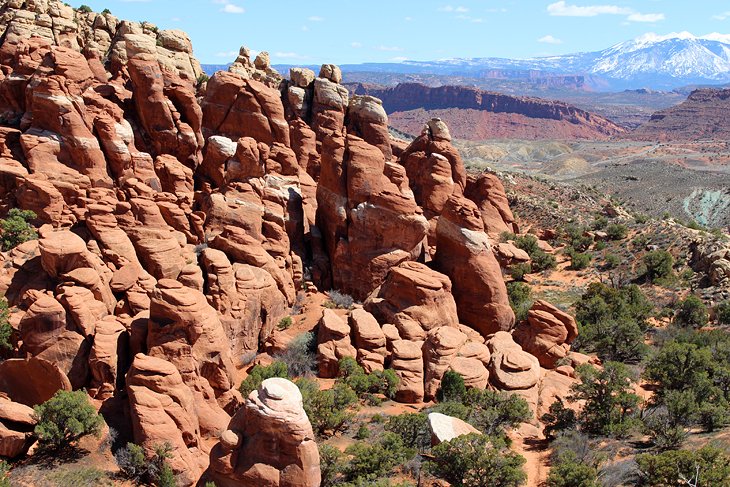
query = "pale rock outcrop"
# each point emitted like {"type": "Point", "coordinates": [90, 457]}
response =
{"type": "Point", "coordinates": [268, 442]}
{"type": "Point", "coordinates": [446, 428]}
{"type": "Point", "coordinates": [367, 119]}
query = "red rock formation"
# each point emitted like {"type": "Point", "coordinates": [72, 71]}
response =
{"type": "Point", "coordinates": [487, 191]}
{"type": "Point", "coordinates": [547, 334]}
{"type": "Point", "coordinates": [334, 344]}
{"type": "Point", "coordinates": [478, 115]}
{"type": "Point", "coordinates": [268, 442]}
{"type": "Point", "coordinates": [463, 252]}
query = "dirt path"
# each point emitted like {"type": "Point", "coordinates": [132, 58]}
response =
{"type": "Point", "coordinates": [537, 454]}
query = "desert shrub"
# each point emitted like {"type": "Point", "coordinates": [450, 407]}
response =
{"type": "Point", "coordinates": [4, 474]}
{"type": "Point", "coordinates": [568, 471]}
{"type": "Point", "coordinates": [558, 419]}
{"type": "Point", "coordinates": [339, 300]}
{"type": "Point", "coordinates": [491, 411]}
{"type": "Point", "coordinates": [412, 428]}
{"type": "Point", "coordinates": [65, 418]}
{"type": "Point", "coordinates": [330, 464]}
{"type": "Point", "coordinates": [668, 424]}
{"type": "Point", "coordinates": [378, 382]}
{"type": "Point", "coordinates": [507, 236]}
{"type": "Point", "coordinates": [599, 223]}
{"type": "Point", "coordinates": [692, 312]}
{"type": "Point", "coordinates": [132, 462]}
{"type": "Point", "coordinates": [362, 433]}
{"type": "Point", "coordinates": [166, 477]}
{"type": "Point", "coordinates": [617, 231]}
{"type": "Point", "coordinates": [203, 78]}
{"type": "Point", "coordinates": [612, 322]}
{"type": "Point", "coordinates": [540, 259]}
{"type": "Point", "coordinates": [600, 245]}
{"type": "Point", "coordinates": [300, 355]}
{"type": "Point", "coordinates": [477, 461]}
{"type": "Point", "coordinates": [611, 261]}
{"type": "Point", "coordinates": [329, 411]}
{"type": "Point", "coordinates": [284, 323]}
{"type": "Point", "coordinates": [85, 9]}
{"type": "Point", "coordinates": [452, 387]}
{"type": "Point", "coordinates": [6, 330]}
{"type": "Point", "coordinates": [707, 467]}
{"type": "Point", "coordinates": [658, 264]}
{"type": "Point", "coordinates": [135, 465]}
{"type": "Point", "coordinates": [610, 404]}
{"type": "Point", "coordinates": [520, 270]}
{"type": "Point", "coordinates": [579, 261]}
{"type": "Point", "coordinates": [577, 237]}
{"type": "Point", "coordinates": [16, 229]}
{"type": "Point", "coordinates": [106, 11]}
{"type": "Point", "coordinates": [259, 374]}
{"type": "Point", "coordinates": [368, 461]}
{"type": "Point", "coordinates": [520, 299]}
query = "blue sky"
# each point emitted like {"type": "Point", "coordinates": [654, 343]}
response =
{"type": "Point", "coordinates": [347, 31]}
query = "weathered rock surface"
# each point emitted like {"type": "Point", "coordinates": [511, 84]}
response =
{"type": "Point", "coordinates": [269, 441]}
{"type": "Point", "coordinates": [547, 334]}
{"type": "Point", "coordinates": [463, 252]}
{"type": "Point", "coordinates": [334, 343]}
{"type": "Point", "coordinates": [446, 428]}
{"type": "Point", "coordinates": [511, 368]}
{"type": "Point", "coordinates": [487, 191]}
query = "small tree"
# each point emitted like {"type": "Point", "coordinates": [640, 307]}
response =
{"type": "Point", "coordinates": [413, 429]}
{"type": "Point", "coordinates": [491, 412]}
{"type": "Point", "coordinates": [617, 231]}
{"type": "Point", "coordinates": [85, 9]}
{"type": "Point", "coordinates": [65, 418]}
{"type": "Point", "coordinates": [610, 404]}
{"type": "Point", "coordinates": [692, 312]}
{"type": "Point", "coordinates": [568, 471]}
{"type": "Point", "coordinates": [658, 264]}
{"type": "Point", "coordinates": [4, 474]}
{"type": "Point", "coordinates": [557, 419]}
{"type": "Point", "coordinates": [723, 313]}
{"type": "Point", "coordinates": [707, 467]}
{"type": "Point", "coordinates": [6, 330]}
{"type": "Point", "coordinates": [520, 299]}
{"type": "Point", "coordinates": [452, 387]}
{"type": "Point", "coordinates": [368, 461]}
{"type": "Point", "coordinates": [477, 461]}
{"type": "Point", "coordinates": [16, 229]}
{"type": "Point", "coordinates": [259, 374]}
{"type": "Point", "coordinates": [330, 464]}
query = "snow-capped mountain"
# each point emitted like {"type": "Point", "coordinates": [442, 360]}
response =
{"type": "Point", "coordinates": [648, 61]}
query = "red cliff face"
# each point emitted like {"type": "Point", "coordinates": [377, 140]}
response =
{"type": "Point", "coordinates": [475, 114]}
{"type": "Point", "coordinates": [702, 116]}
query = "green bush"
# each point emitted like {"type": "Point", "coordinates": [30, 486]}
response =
{"type": "Point", "coordinates": [612, 322]}
{"type": "Point", "coordinates": [85, 9]}
{"type": "Point", "coordinates": [568, 471]}
{"type": "Point", "coordinates": [658, 264]}
{"type": "Point", "coordinates": [491, 411]}
{"type": "Point", "coordinates": [65, 418]}
{"type": "Point", "coordinates": [519, 271]}
{"type": "Point", "coordinates": [612, 261]}
{"type": "Point", "coordinates": [579, 261]}
{"type": "Point", "coordinates": [520, 299]}
{"type": "Point", "coordinates": [558, 419]}
{"type": "Point", "coordinates": [452, 387]}
{"type": "Point", "coordinates": [330, 464]}
{"type": "Point", "coordinates": [135, 465]}
{"type": "Point", "coordinates": [378, 382]}
{"type": "Point", "coordinates": [4, 474]}
{"type": "Point", "coordinates": [692, 312]}
{"type": "Point", "coordinates": [259, 374]}
{"type": "Point", "coordinates": [329, 411]}
{"type": "Point", "coordinates": [368, 461]}
{"type": "Point", "coordinates": [610, 404]}
{"type": "Point", "coordinates": [616, 231]}
{"type": "Point", "coordinates": [706, 467]}
{"type": "Point", "coordinates": [540, 259]}
{"type": "Point", "coordinates": [284, 323]}
{"type": "Point", "coordinates": [106, 11]}
{"type": "Point", "coordinates": [412, 428]}
{"type": "Point", "coordinates": [16, 229]}
{"type": "Point", "coordinates": [599, 223]}
{"type": "Point", "coordinates": [6, 330]}
{"type": "Point", "coordinates": [477, 461]}
{"type": "Point", "coordinates": [300, 355]}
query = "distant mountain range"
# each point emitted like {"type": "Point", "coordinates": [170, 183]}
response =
{"type": "Point", "coordinates": [650, 61]}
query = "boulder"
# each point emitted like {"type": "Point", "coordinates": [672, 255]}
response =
{"type": "Point", "coordinates": [441, 348]}
{"type": "Point", "coordinates": [333, 338]}
{"type": "Point", "coordinates": [487, 191]}
{"type": "Point", "coordinates": [407, 362]}
{"type": "Point", "coordinates": [547, 333]}
{"type": "Point", "coordinates": [511, 368]}
{"type": "Point", "coordinates": [369, 340]}
{"type": "Point", "coordinates": [446, 428]}
{"type": "Point", "coordinates": [31, 381]}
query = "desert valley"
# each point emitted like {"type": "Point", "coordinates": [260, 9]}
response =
{"type": "Point", "coordinates": [467, 272]}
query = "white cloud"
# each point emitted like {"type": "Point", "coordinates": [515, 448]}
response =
{"type": "Point", "coordinates": [548, 39]}
{"type": "Point", "coordinates": [315, 18]}
{"type": "Point", "coordinates": [450, 8]}
{"type": "Point", "coordinates": [646, 17]}
{"type": "Point", "coordinates": [722, 16]}
{"type": "Point", "coordinates": [408, 19]}
{"type": "Point", "coordinates": [230, 8]}
{"type": "Point", "coordinates": [564, 9]}
{"type": "Point", "coordinates": [356, 45]}
{"type": "Point", "coordinates": [399, 59]}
